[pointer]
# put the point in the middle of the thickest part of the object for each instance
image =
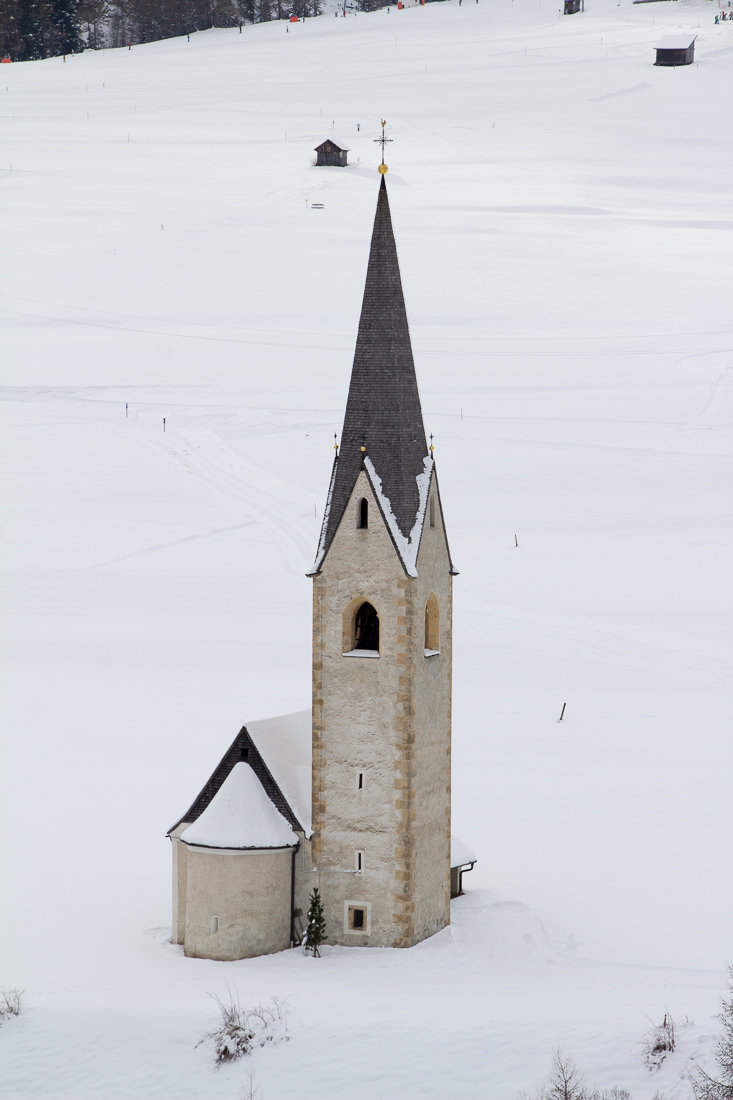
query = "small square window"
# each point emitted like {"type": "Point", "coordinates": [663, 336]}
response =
{"type": "Point", "coordinates": [358, 917]}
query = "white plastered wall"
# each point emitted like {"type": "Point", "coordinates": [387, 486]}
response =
{"type": "Point", "coordinates": [249, 891]}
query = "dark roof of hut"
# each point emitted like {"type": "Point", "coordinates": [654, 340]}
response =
{"type": "Point", "coordinates": [337, 145]}
{"type": "Point", "coordinates": [676, 42]}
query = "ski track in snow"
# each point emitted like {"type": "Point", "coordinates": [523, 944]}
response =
{"type": "Point", "coordinates": [220, 471]}
{"type": "Point", "coordinates": [169, 545]}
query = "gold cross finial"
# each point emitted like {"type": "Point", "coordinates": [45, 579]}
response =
{"type": "Point", "coordinates": [383, 141]}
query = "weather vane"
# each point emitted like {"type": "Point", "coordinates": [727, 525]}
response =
{"type": "Point", "coordinates": [383, 141]}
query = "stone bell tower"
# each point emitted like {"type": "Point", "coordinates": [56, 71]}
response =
{"type": "Point", "coordinates": [382, 617]}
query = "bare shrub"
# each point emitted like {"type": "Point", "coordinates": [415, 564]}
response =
{"type": "Point", "coordinates": [720, 1087]}
{"type": "Point", "coordinates": [566, 1082]}
{"type": "Point", "coordinates": [249, 1090]}
{"type": "Point", "coordinates": [241, 1030]}
{"type": "Point", "coordinates": [658, 1042]}
{"type": "Point", "coordinates": [11, 1003]}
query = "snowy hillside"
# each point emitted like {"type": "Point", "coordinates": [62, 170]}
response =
{"type": "Point", "coordinates": [562, 209]}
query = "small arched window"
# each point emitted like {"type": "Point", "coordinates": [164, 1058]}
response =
{"type": "Point", "coordinates": [432, 511]}
{"type": "Point", "coordinates": [366, 628]}
{"type": "Point", "coordinates": [432, 626]}
{"type": "Point", "coordinates": [362, 515]}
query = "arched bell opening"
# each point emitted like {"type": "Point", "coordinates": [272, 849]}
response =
{"type": "Point", "coordinates": [432, 626]}
{"type": "Point", "coordinates": [366, 628]}
{"type": "Point", "coordinates": [361, 632]}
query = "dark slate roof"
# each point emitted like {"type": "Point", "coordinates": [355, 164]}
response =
{"type": "Point", "coordinates": [241, 748]}
{"type": "Point", "coordinates": [383, 410]}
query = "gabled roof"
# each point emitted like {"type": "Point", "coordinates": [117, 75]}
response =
{"type": "Point", "coordinates": [338, 145]}
{"type": "Point", "coordinates": [240, 815]}
{"type": "Point", "coordinates": [383, 420]}
{"type": "Point", "coordinates": [281, 744]}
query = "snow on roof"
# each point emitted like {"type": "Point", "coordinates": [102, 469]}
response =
{"type": "Point", "coordinates": [460, 853]}
{"type": "Point", "coordinates": [676, 41]}
{"type": "Point", "coordinates": [406, 547]}
{"type": "Point", "coordinates": [383, 417]}
{"type": "Point", "coordinates": [321, 552]}
{"type": "Point", "coordinates": [240, 815]}
{"type": "Point", "coordinates": [337, 142]}
{"type": "Point", "coordinates": [285, 745]}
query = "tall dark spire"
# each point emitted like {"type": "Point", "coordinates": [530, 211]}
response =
{"type": "Point", "coordinates": [383, 420]}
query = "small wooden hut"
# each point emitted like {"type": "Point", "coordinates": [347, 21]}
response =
{"type": "Point", "coordinates": [330, 153]}
{"type": "Point", "coordinates": [676, 49]}
{"type": "Point", "coordinates": [570, 7]}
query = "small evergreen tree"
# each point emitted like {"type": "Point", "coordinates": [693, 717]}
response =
{"type": "Point", "coordinates": [315, 933]}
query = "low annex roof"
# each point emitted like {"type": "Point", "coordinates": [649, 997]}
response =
{"type": "Point", "coordinates": [460, 854]}
{"type": "Point", "coordinates": [278, 751]}
{"type": "Point", "coordinates": [240, 815]}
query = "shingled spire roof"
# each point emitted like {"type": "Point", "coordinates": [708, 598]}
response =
{"type": "Point", "coordinates": [383, 413]}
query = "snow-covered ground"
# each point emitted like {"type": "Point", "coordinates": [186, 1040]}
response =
{"type": "Point", "coordinates": [563, 217]}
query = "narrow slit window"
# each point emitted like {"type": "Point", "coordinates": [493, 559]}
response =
{"type": "Point", "coordinates": [362, 516]}
{"type": "Point", "coordinates": [214, 925]}
{"type": "Point", "coordinates": [358, 861]}
{"type": "Point", "coordinates": [432, 511]}
{"type": "Point", "coordinates": [360, 781]}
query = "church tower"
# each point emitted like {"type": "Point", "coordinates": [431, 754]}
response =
{"type": "Point", "coordinates": [382, 615]}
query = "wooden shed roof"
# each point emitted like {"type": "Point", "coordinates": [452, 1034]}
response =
{"type": "Point", "coordinates": [676, 42]}
{"type": "Point", "coordinates": [339, 145]}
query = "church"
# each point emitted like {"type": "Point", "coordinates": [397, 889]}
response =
{"type": "Point", "coordinates": [353, 796]}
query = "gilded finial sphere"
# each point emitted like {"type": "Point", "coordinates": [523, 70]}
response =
{"type": "Point", "coordinates": [383, 169]}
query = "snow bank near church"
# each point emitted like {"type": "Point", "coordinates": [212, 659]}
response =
{"type": "Point", "coordinates": [240, 816]}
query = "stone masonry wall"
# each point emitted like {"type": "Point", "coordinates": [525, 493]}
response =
{"type": "Point", "coordinates": [388, 719]}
